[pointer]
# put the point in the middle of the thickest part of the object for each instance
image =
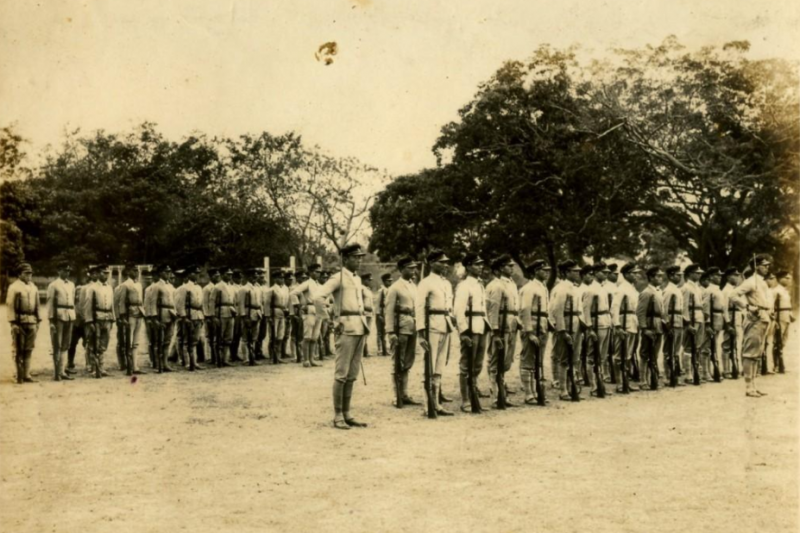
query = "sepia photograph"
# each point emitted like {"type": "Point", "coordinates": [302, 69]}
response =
{"type": "Point", "coordinates": [399, 266]}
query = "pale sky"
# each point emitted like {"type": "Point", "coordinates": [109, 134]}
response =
{"type": "Point", "coordinates": [403, 69]}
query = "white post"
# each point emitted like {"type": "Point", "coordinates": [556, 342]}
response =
{"type": "Point", "coordinates": [266, 271]}
{"type": "Point", "coordinates": [292, 264]}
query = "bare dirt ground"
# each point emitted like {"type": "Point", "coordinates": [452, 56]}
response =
{"type": "Point", "coordinates": [251, 449]}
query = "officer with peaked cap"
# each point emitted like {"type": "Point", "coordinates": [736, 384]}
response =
{"type": "Point", "coordinates": [734, 332]}
{"type": "Point", "coordinates": [693, 316]}
{"type": "Point", "coordinates": [623, 317]}
{"type": "Point", "coordinates": [306, 292]}
{"type": "Point", "coordinates": [565, 310]}
{"type": "Point", "coordinates": [210, 313]}
{"type": "Point", "coordinates": [129, 310]}
{"type": "Point", "coordinates": [672, 298]}
{"type": "Point", "coordinates": [502, 304]}
{"type": "Point", "coordinates": [98, 313]}
{"type": "Point", "coordinates": [399, 307]}
{"type": "Point", "coordinates": [22, 304]}
{"type": "Point", "coordinates": [534, 313]}
{"type": "Point", "coordinates": [61, 312]}
{"type": "Point", "coordinates": [756, 312]}
{"type": "Point", "coordinates": [351, 331]}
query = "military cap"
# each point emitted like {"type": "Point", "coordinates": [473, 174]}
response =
{"type": "Point", "coordinates": [147, 273]}
{"type": "Point", "coordinates": [437, 256]}
{"type": "Point", "coordinates": [537, 264]}
{"type": "Point", "coordinates": [276, 273]}
{"type": "Point", "coordinates": [63, 265]}
{"type": "Point", "coordinates": [760, 260]}
{"type": "Point", "coordinates": [587, 269]}
{"type": "Point", "coordinates": [713, 271]}
{"type": "Point", "coordinates": [674, 269]}
{"type": "Point", "coordinates": [691, 269]}
{"type": "Point", "coordinates": [180, 271]}
{"type": "Point", "coordinates": [600, 267]}
{"type": "Point", "coordinates": [630, 268]}
{"type": "Point", "coordinates": [781, 274]}
{"type": "Point", "coordinates": [23, 268]}
{"type": "Point", "coordinates": [704, 276]}
{"type": "Point", "coordinates": [501, 261]}
{"type": "Point", "coordinates": [226, 270]}
{"type": "Point", "coordinates": [353, 249]}
{"type": "Point", "coordinates": [652, 271]}
{"type": "Point", "coordinates": [212, 271]}
{"type": "Point", "coordinates": [366, 276]}
{"type": "Point", "coordinates": [237, 273]}
{"type": "Point", "coordinates": [300, 272]}
{"type": "Point", "coordinates": [385, 276]}
{"type": "Point", "coordinates": [471, 259]}
{"type": "Point", "coordinates": [406, 262]}
{"type": "Point", "coordinates": [163, 268]}
{"type": "Point", "coordinates": [314, 267]}
{"type": "Point", "coordinates": [103, 269]}
{"type": "Point", "coordinates": [731, 271]}
{"type": "Point", "coordinates": [569, 264]}
{"type": "Point", "coordinates": [612, 267]}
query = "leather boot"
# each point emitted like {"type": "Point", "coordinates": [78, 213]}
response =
{"type": "Point", "coordinates": [303, 350]}
{"type": "Point", "coordinates": [346, 400]}
{"type": "Point", "coordinates": [56, 367]}
{"type": "Point", "coordinates": [462, 383]}
{"type": "Point", "coordinates": [26, 369]}
{"type": "Point", "coordinates": [338, 405]}
{"type": "Point", "coordinates": [527, 386]}
{"type": "Point", "coordinates": [437, 390]}
{"type": "Point", "coordinates": [313, 348]}
{"type": "Point", "coordinates": [61, 361]}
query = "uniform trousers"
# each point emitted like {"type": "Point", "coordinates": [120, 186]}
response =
{"type": "Point", "coordinates": [97, 336]}
{"type": "Point", "coordinates": [509, 342]}
{"type": "Point", "coordinates": [476, 352]}
{"type": "Point", "coordinates": [311, 327]}
{"type": "Point", "coordinates": [755, 332]}
{"type": "Point", "coordinates": [672, 344]}
{"type": "Point", "coordinates": [349, 349]}
{"type": "Point", "coordinates": [526, 361]}
{"type": "Point", "coordinates": [561, 349]}
{"type": "Point", "coordinates": [733, 340]}
{"type": "Point", "coordinates": [602, 343]}
{"type": "Point", "coordinates": [60, 336]}
{"type": "Point", "coordinates": [406, 351]}
{"type": "Point", "coordinates": [699, 337]}
{"type": "Point", "coordinates": [440, 347]}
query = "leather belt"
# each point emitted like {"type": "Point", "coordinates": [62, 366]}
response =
{"type": "Point", "coordinates": [65, 306]}
{"type": "Point", "coordinates": [598, 313]}
{"type": "Point", "coordinates": [438, 312]}
{"type": "Point", "coordinates": [540, 315]}
{"type": "Point", "coordinates": [475, 313]}
{"type": "Point", "coordinates": [221, 304]}
{"type": "Point", "coordinates": [507, 312]}
{"type": "Point", "coordinates": [350, 313]}
{"type": "Point", "coordinates": [367, 309]}
{"type": "Point", "coordinates": [102, 310]}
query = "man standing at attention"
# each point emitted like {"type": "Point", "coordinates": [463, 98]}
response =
{"type": "Point", "coordinates": [61, 310]}
{"type": "Point", "coordinates": [350, 331]}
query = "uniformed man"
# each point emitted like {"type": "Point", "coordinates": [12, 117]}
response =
{"type": "Point", "coordinates": [289, 345]}
{"type": "Point", "coordinates": [77, 327]}
{"type": "Point", "coordinates": [351, 331]}
{"type": "Point", "coordinates": [717, 319]}
{"type": "Point", "coordinates": [151, 323]}
{"type": "Point", "coordinates": [176, 348]}
{"type": "Point", "coordinates": [129, 310]}
{"type": "Point", "coordinates": [400, 308]}
{"type": "Point", "coordinates": [61, 310]}
{"type": "Point", "coordinates": [769, 354]}
{"type": "Point", "coordinates": [325, 326]}
{"type": "Point", "coordinates": [756, 320]}
{"type": "Point", "coordinates": [159, 308]}
{"type": "Point", "coordinates": [435, 297]}
{"type": "Point", "coordinates": [210, 314]}
{"type": "Point", "coordinates": [278, 309]}
{"type": "Point", "coordinates": [673, 319]}
{"type": "Point", "coordinates": [734, 331]}
{"type": "Point", "coordinates": [564, 312]}
{"type": "Point", "coordinates": [248, 308]}
{"type": "Point", "coordinates": [649, 315]}
{"type": "Point", "coordinates": [306, 292]}
{"type": "Point", "coordinates": [587, 278]}
{"type": "Point", "coordinates": [597, 317]}
{"type": "Point", "coordinates": [225, 308]}
{"type": "Point", "coordinates": [784, 315]}
{"type": "Point", "coordinates": [235, 288]}
{"type": "Point", "coordinates": [263, 327]}
{"type": "Point", "coordinates": [473, 327]}
{"type": "Point", "coordinates": [693, 317]}
{"type": "Point", "coordinates": [22, 309]}
{"type": "Point", "coordinates": [502, 303]}
{"type": "Point", "coordinates": [623, 317]}
{"type": "Point", "coordinates": [98, 312]}
{"type": "Point", "coordinates": [369, 307]}
{"type": "Point", "coordinates": [189, 307]}
{"type": "Point", "coordinates": [380, 313]}
{"type": "Point", "coordinates": [534, 314]}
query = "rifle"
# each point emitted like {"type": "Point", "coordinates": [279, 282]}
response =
{"type": "Point", "coordinates": [125, 333]}
{"type": "Point", "coordinates": [472, 389]}
{"type": "Point", "coordinates": [574, 393]}
{"type": "Point", "coordinates": [695, 368]}
{"type": "Point", "coordinates": [673, 371]}
{"type": "Point", "coordinates": [596, 362]}
{"type": "Point", "coordinates": [430, 393]}
{"type": "Point", "coordinates": [380, 321]}
{"type": "Point", "coordinates": [398, 353]}
{"type": "Point", "coordinates": [96, 328]}
{"type": "Point", "coordinates": [635, 374]}
{"type": "Point", "coordinates": [159, 328]}
{"type": "Point", "coordinates": [623, 364]}
{"type": "Point", "coordinates": [19, 349]}
{"type": "Point", "coordinates": [538, 367]}
{"type": "Point", "coordinates": [651, 351]}
{"type": "Point", "coordinates": [584, 358]}
{"type": "Point", "coordinates": [733, 338]}
{"type": "Point", "coordinates": [611, 334]}
{"type": "Point", "coordinates": [500, 356]}
{"type": "Point", "coordinates": [777, 345]}
{"type": "Point", "coordinates": [713, 347]}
